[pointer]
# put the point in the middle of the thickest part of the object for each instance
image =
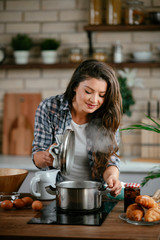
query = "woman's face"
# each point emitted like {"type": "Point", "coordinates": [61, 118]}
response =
{"type": "Point", "coordinates": [90, 95]}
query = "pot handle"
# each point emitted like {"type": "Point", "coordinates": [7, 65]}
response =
{"type": "Point", "coordinates": [54, 151]}
{"type": "Point", "coordinates": [51, 190]}
{"type": "Point", "coordinates": [104, 189]}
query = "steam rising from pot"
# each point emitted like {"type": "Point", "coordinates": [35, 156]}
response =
{"type": "Point", "coordinates": [103, 140]}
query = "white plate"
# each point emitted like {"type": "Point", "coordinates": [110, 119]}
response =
{"type": "Point", "coordinates": [143, 223]}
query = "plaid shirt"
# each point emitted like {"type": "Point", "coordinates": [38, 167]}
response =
{"type": "Point", "coordinates": [52, 117]}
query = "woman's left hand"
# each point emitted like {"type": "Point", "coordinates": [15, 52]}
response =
{"type": "Point", "coordinates": [111, 177]}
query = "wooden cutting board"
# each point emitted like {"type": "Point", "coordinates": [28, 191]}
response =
{"type": "Point", "coordinates": [150, 142]}
{"type": "Point", "coordinates": [18, 122]}
{"type": "Point", "coordinates": [149, 160]}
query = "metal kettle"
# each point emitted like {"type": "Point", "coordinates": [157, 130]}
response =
{"type": "Point", "coordinates": [63, 153]}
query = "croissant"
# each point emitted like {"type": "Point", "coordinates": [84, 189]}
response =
{"type": "Point", "coordinates": [146, 201]}
{"type": "Point", "coordinates": [135, 212]}
{"type": "Point", "coordinates": [152, 215]}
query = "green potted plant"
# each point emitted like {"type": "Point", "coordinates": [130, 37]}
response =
{"type": "Point", "coordinates": [127, 96]}
{"type": "Point", "coordinates": [155, 172]}
{"type": "Point", "coordinates": [49, 50]}
{"type": "Point", "coordinates": [128, 80]}
{"type": "Point", "coordinates": [21, 45]}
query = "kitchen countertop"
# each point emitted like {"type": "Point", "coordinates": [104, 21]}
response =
{"type": "Point", "coordinates": [25, 162]}
{"type": "Point", "coordinates": [13, 225]}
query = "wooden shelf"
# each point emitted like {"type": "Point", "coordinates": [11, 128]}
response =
{"type": "Point", "coordinates": [89, 29]}
{"type": "Point", "coordinates": [136, 65]}
{"type": "Point", "coordinates": [38, 66]}
{"type": "Point", "coordinates": [116, 28]}
{"type": "Point", "coordinates": [74, 65]}
{"type": "Point", "coordinates": [98, 28]}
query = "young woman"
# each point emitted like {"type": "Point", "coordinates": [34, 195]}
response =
{"type": "Point", "coordinates": [91, 106]}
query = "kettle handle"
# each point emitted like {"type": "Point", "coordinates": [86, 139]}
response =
{"type": "Point", "coordinates": [33, 183]}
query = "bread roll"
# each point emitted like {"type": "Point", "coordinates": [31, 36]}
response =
{"type": "Point", "coordinates": [135, 212]}
{"type": "Point", "coordinates": [152, 215]}
{"type": "Point", "coordinates": [146, 201]}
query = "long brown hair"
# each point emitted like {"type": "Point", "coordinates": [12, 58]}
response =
{"type": "Point", "coordinates": [107, 118]}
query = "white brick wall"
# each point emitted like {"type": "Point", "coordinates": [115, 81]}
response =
{"type": "Point", "coordinates": [23, 5]}
{"type": "Point", "coordinates": [64, 20]}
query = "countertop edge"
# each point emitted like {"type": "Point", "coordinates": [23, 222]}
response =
{"type": "Point", "coordinates": [25, 162]}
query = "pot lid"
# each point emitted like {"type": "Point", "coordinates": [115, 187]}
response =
{"type": "Point", "coordinates": [66, 155]}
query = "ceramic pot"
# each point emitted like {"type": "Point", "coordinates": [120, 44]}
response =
{"type": "Point", "coordinates": [49, 56]}
{"type": "Point", "coordinates": [21, 57]}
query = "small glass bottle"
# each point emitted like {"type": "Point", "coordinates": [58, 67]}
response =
{"type": "Point", "coordinates": [100, 54]}
{"type": "Point", "coordinates": [131, 191]}
{"type": "Point", "coordinates": [117, 54]}
{"type": "Point", "coordinates": [95, 12]}
{"type": "Point", "coordinates": [75, 55]}
{"type": "Point", "coordinates": [134, 14]}
{"type": "Point", "coordinates": [113, 12]}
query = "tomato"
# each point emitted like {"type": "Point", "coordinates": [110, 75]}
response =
{"type": "Point", "coordinates": [6, 204]}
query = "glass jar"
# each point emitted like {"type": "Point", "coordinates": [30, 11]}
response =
{"type": "Point", "coordinates": [95, 12]}
{"type": "Point", "coordinates": [100, 54]}
{"type": "Point", "coordinates": [134, 14]}
{"type": "Point", "coordinates": [131, 191]}
{"type": "Point", "coordinates": [113, 12]}
{"type": "Point", "coordinates": [75, 55]}
{"type": "Point", "coordinates": [118, 53]}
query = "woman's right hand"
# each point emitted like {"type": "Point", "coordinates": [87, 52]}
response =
{"type": "Point", "coordinates": [43, 159]}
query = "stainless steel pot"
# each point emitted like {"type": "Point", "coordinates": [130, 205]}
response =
{"type": "Point", "coordinates": [78, 196]}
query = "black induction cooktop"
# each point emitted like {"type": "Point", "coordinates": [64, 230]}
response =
{"type": "Point", "coordinates": [51, 215]}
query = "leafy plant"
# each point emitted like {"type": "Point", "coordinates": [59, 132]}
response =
{"type": "Point", "coordinates": [50, 44]}
{"type": "Point", "coordinates": [155, 173]}
{"type": "Point", "coordinates": [145, 126]}
{"type": "Point", "coordinates": [21, 42]}
{"type": "Point", "coordinates": [126, 96]}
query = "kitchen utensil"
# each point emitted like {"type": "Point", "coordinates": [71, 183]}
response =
{"type": "Point", "coordinates": [142, 56]}
{"type": "Point", "coordinates": [40, 181]}
{"type": "Point", "coordinates": [78, 196]}
{"type": "Point", "coordinates": [9, 196]}
{"type": "Point", "coordinates": [157, 109]}
{"type": "Point", "coordinates": [11, 179]}
{"type": "Point", "coordinates": [149, 139]}
{"type": "Point", "coordinates": [63, 153]}
{"type": "Point", "coordinates": [21, 137]}
{"type": "Point", "coordinates": [154, 17]}
{"type": "Point", "coordinates": [19, 107]}
{"type": "Point", "coordinates": [2, 54]}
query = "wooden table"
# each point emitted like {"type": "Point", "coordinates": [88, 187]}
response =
{"type": "Point", "coordinates": [13, 225]}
